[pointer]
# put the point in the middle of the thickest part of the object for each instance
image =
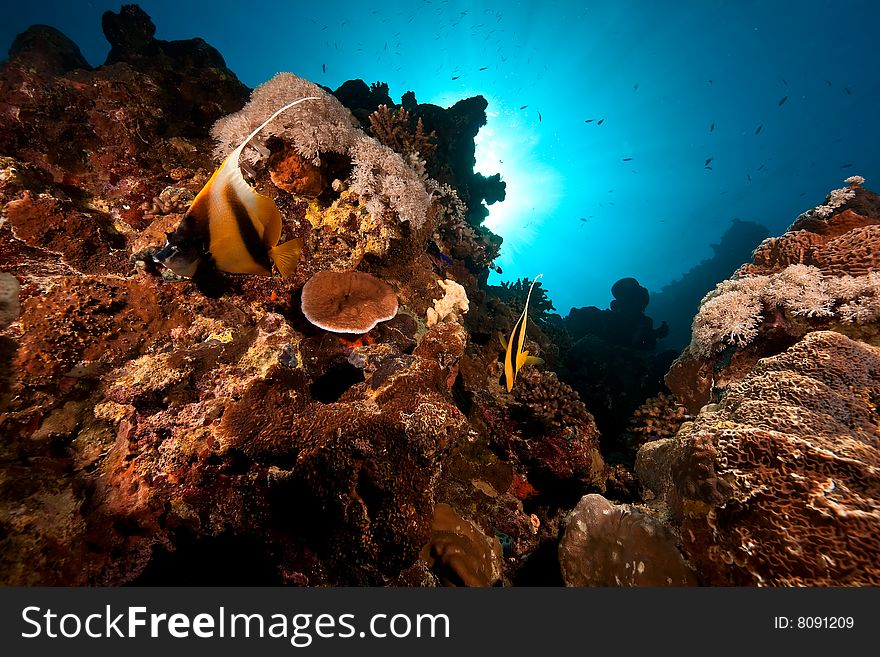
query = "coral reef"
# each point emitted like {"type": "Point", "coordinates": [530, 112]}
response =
{"type": "Point", "coordinates": [773, 482]}
{"type": "Point", "coordinates": [820, 275]}
{"type": "Point", "coordinates": [776, 484]}
{"type": "Point", "coordinates": [605, 544]}
{"type": "Point", "coordinates": [612, 361]}
{"type": "Point", "coordinates": [156, 430]}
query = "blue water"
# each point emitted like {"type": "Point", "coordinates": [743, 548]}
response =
{"type": "Point", "coordinates": [660, 74]}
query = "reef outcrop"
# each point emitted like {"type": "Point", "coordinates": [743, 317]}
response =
{"type": "Point", "coordinates": [774, 481]}
{"type": "Point", "coordinates": [156, 429]}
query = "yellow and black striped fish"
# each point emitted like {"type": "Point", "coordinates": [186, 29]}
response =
{"type": "Point", "coordinates": [515, 356]}
{"type": "Point", "coordinates": [235, 224]}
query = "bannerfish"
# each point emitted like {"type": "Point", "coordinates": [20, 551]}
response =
{"type": "Point", "coordinates": [232, 224]}
{"type": "Point", "coordinates": [514, 356]}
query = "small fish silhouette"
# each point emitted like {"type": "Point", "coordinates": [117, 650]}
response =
{"type": "Point", "coordinates": [782, 100]}
{"type": "Point", "coordinates": [758, 131]}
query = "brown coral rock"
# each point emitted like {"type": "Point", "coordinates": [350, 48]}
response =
{"type": "Point", "coordinates": [778, 485]}
{"type": "Point", "coordinates": [87, 241]}
{"type": "Point", "coordinates": [607, 544]}
{"type": "Point", "coordinates": [459, 553]}
{"type": "Point", "coordinates": [86, 319]}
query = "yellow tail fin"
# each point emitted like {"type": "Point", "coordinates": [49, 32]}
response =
{"type": "Point", "coordinates": [286, 256]}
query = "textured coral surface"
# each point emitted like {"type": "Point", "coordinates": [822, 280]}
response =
{"type": "Point", "coordinates": [777, 485]}
{"type": "Point", "coordinates": [160, 430]}
{"type": "Point", "coordinates": [164, 430]}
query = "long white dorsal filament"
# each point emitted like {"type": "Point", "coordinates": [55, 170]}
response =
{"type": "Point", "coordinates": [237, 152]}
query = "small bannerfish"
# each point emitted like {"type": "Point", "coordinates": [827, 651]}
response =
{"type": "Point", "coordinates": [514, 356]}
{"type": "Point", "coordinates": [238, 226]}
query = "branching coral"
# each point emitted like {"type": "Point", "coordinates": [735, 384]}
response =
{"type": "Point", "coordinates": [549, 401]}
{"type": "Point", "coordinates": [659, 417]}
{"type": "Point", "coordinates": [515, 294]}
{"type": "Point", "coordinates": [397, 131]}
